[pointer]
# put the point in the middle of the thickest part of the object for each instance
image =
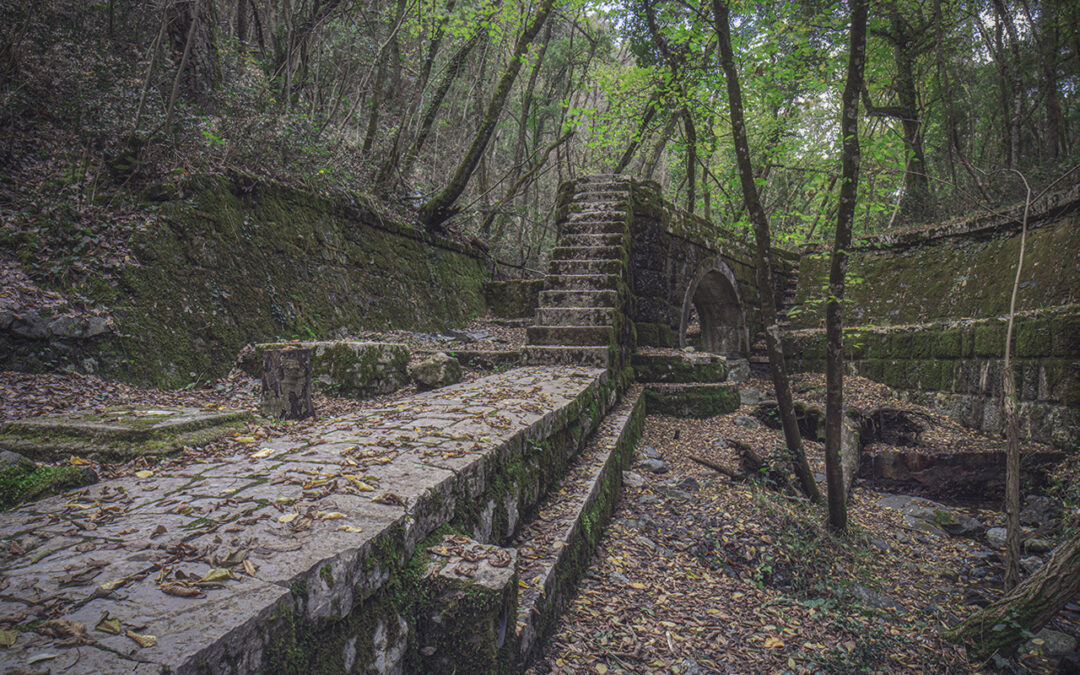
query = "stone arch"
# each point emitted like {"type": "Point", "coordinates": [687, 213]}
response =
{"type": "Point", "coordinates": [714, 294]}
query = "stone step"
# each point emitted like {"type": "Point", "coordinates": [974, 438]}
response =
{"type": "Point", "coordinates": [615, 239]}
{"type": "Point", "coordinates": [600, 194]}
{"type": "Point", "coordinates": [575, 316]}
{"type": "Point", "coordinates": [588, 253]}
{"type": "Point", "coordinates": [594, 227]}
{"type": "Point", "coordinates": [555, 547]}
{"type": "Point", "coordinates": [580, 282]}
{"type": "Point", "coordinates": [586, 336]}
{"type": "Point", "coordinates": [615, 213]}
{"type": "Point", "coordinates": [597, 357]}
{"type": "Point", "coordinates": [610, 266]}
{"type": "Point", "coordinates": [622, 189]}
{"type": "Point", "coordinates": [603, 298]}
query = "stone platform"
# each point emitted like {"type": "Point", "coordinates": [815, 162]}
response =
{"type": "Point", "coordinates": [117, 433]}
{"type": "Point", "coordinates": [293, 556]}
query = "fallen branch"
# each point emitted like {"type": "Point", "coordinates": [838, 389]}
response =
{"type": "Point", "coordinates": [734, 474]}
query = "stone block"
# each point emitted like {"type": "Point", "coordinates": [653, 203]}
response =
{"type": "Point", "coordinates": [117, 433]}
{"type": "Point", "coordinates": [990, 339]}
{"type": "Point", "coordinates": [1033, 337]}
{"type": "Point", "coordinates": [438, 370]}
{"type": "Point", "coordinates": [679, 367]}
{"type": "Point", "coordinates": [949, 344]}
{"type": "Point", "coordinates": [654, 334]}
{"type": "Point", "coordinates": [466, 623]}
{"type": "Point", "coordinates": [515, 299]}
{"type": "Point", "coordinates": [346, 368]}
{"type": "Point", "coordinates": [691, 400]}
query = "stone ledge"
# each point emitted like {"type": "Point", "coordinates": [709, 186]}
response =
{"type": "Point", "coordinates": [691, 400]}
{"type": "Point", "coordinates": [326, 526]}
{"type": "Point", "coordinates": [344, 367]}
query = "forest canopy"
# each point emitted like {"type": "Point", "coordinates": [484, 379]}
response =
{"type": "Point", "coordinates": [109, 101]}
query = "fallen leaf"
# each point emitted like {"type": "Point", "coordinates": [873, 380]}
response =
{"type": "Point", "coordinates": [182, 591]}
{"type": "Point", "coordinates": [262, 454]}
{"type": "Point", "coordinates": [245, 439]}
{"type": "Point", "coordinates": [143, 640]}
{"type": "Point", "coordinates": [145, 473]}
{"type": "Point", "coordinates": [351, 528]}
{"type": "Point", "coordinates": [329, 515]}
{"type": "Point", "coordinates": [109, 625]}
{"type": "Point", "coordinates": [773, 642]}
{"type": "Point", "coordinates": [287, 517]}
{"type": "Point", "coordinates": [158, 531]}
{"type": "Point", "coordinates": [249, 569]}
{"type": "Point", "coordinates": [215, 575]}
{"type": "Point", "coordinates": [8, 638]}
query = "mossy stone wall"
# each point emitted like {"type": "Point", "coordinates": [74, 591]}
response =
{"type": "Point", "coordinates": [955, 273]}
{"type": "Point", "coordinates": [241, 259]}
{"type": "Point", "coordinates": [956, 368]}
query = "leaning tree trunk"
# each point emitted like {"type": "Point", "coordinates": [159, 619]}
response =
{"type": "Point", "coordinates": [440, 208]}
{"type": "Point", "coordinates": [1002, 626]}
{"type": "Point", "coordinates": [834, 364]}
{"type": "Point", "coordinates": [762, 243]}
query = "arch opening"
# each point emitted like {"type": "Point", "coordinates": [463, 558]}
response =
{"type": "Point", "coordinates": [713, 319]}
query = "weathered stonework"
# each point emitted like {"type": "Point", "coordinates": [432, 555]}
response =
{"type": "Point", "coordinates": [117, 433]}
{"type": "Point", "coordinates": [955, 368]}
{"type": "Point", "coordinates": [327, 528]}
{"type": "Point", "coordinates": [514, 299]}
{"type": "Point", "coordinates": [237, 259]}
{"type": "Point", "coordinates": [344, 367]}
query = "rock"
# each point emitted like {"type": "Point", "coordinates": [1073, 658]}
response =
{"type": "Point", "coordinates": [632, 479]}
{"type": "Point", "coordinates": [738, 370]}
{"type": "Point", "coordinates": [747, 422]}
{"type": "Point", "coordinates": [976, 597]}
{"type": "Point", "coordinates": [1049, 643]}
{"type": "Point", "coordinates": [690, 667]}
{"type": "Point", "coordinates": [619, 577]}
{"type": "Point", "coordinates": [1036, 545]}
{"type": "Point", "coordinates": [872, 598]}
{"type": "Point", "coordinates": [648, 543]}
{"type": "Point", "coordinates": [689, 483]}
{"type": "Point", "coordinates": [1031, 564]}
{"type": "Point", "coordinates": [932, 517]}
{"type": "Point", "coordinates": [880, 544]}
{"type": "Point", "coordinates": [1039, 511]}
{"type": "Point", "coordinates": [649, 452]}
{"type": "Point", "coordinates": [995, 537]}
{"type": "Point", "coordinates": [1069, 664]}
{"type": "Point", "coordinates": [438, 370]}
{"type": "Point", "coordinates": [31, 326]}
{"type": "Point", "coordinates": [688, 349]}
{"type": "Point", "coordinates": [750, 395]}
{"type": "Point", "coordinates": [8, 458]}
{"type": "Point", "coordinates": [957, 524]}
{"type": "Point", "coordinates": [674, 493]}
{"type": "Point", "coordinates": [653, 465]}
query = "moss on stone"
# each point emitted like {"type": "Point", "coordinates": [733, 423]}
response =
{"type": "Point", "coordinates": [24, 482]}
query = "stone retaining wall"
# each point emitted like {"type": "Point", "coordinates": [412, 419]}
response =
{"type": "Point", "coordinates": [956, 368]}
{"type": "Point", "coordinates": [235, 259]}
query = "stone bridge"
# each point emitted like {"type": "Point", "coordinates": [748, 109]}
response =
{"type": "Point", "coordinates": [631, 270]}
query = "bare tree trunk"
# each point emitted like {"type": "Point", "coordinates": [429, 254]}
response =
{"type": "Point", "coordinates": [1012, 425]}
{"type": "Point", "coordinates": [762, 241]}
{"type": "Point", "coordinates": [691, 159]}
{"type": "Point", "coordinates": [431, 110]}
{"type": "Point", "coordinates": [1001, 627]}
{"type": "Point", "coordinates": [834, 364]}
{"type": "Point", "coordinates": [646, 120]}
{"type": "Point", "coordinates": [658, 150]}
{"type": "Point", "coordinates": [440, 208]}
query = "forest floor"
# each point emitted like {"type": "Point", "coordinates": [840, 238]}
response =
{"type": "Point", "coordinates": [696, 573]}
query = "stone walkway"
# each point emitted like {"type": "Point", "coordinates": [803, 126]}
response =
{"type": "Point", "coordinates": [194, 569]}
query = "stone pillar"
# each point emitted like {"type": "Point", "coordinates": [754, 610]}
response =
{"type": "Point", "coordinates": [466, 621]}
{"type": "Point", "coordinates": [286, 390]}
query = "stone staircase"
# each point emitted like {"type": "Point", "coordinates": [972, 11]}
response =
{"type": "Point", "coordinates": [759, 357]}
{"type": "Point", "coordinates": [581, 314]}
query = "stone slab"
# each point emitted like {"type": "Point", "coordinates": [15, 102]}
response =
{"type": "Point", "coordinates": [345, 367]}
{"type": "Point", "coordinates": [119, 432]}
{"type": "Point", "coordinates": [310, 531]}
